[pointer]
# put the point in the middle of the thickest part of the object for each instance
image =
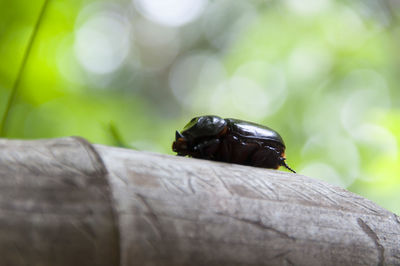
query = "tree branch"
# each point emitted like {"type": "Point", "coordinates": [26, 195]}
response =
{"type": "Point", "coordinates": [67, 202]}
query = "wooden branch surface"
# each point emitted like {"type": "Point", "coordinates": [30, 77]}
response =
{"type": "Point", "coordinates": [67, 202]}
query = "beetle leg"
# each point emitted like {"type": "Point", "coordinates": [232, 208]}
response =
{"type": "Point", "coordinates": [180, 144]}
{"type": "Point", "coordinates": [225, 150]}
{"type": "Point", "coordinates": [283, 163]}
{"type": "Point", "coordinates": [242, 151]}
{"type": "Point", "coordinates": [267, 157]}
{"type": "Point", "coordinates": [207, 148]}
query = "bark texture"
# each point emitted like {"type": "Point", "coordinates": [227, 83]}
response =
{"type": "Point", "coordinates": [67, 202]}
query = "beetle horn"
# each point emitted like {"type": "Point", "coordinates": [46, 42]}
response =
{"type": "Point", "coordinates": [287, 166]}
{"type": "Point", "coordinates": [178, 135]}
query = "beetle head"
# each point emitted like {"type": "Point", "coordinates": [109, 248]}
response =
{"type": "Point", "coordinates": [180, 144]}
{"type": "Point", "coordinates": [178, 135]}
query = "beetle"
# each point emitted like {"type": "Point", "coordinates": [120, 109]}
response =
{"type": "Point", "coordinates": [231, 140]}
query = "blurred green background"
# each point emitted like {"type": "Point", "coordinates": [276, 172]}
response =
{"type": "Point", "coordinates": [323, 73]}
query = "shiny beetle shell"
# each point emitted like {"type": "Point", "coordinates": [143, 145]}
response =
{"type": "Point", "coordinates": [254, 131]}
{"type": "Point", "coordinates": [231, 140]}
{"type": "Point", "coordinates": [204, 126]}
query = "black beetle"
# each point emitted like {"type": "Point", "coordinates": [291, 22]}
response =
{"type": "Point", "coordinates": [231, 140]}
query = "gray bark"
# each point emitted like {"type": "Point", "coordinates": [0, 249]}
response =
{"type": "Point", "coordinates": [67, 202]}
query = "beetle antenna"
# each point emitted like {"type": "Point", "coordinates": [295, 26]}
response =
{"type": "Point", "coordinates": [287, 166]}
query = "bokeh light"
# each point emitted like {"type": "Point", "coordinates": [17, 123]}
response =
{"type": "Point", "coordinates": [102, 42]}
{"type": "Point", "coordinates": [171, 12]}
{"type": "Point", "coordinates": [157, 45]}
{"type": "Point", "coordinates": [223, 30]}
{"type": "Point", "coordinates": [308, 7]}
{"type": "Point", "coordinates": [309, 61]}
